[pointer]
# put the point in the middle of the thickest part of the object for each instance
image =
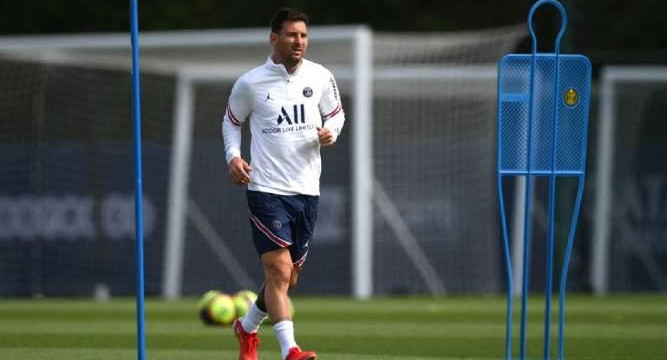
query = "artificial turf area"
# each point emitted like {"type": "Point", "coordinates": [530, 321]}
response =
{"type": "Point", "coordinates": [628, 327]}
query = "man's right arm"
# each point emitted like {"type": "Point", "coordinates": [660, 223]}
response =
{"type": "Point", "coordinates": [236, 113]}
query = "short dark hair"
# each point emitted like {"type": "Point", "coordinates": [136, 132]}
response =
{"type": "Point", "coordinates": [286, 14]}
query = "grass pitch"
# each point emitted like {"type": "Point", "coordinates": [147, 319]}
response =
{"type": "Point", "coordinates": [614, 328]}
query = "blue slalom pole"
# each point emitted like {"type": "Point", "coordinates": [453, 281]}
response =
{"type": "Point", "coordinates": [138, 202]}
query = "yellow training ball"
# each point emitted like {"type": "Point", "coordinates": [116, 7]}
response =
{"type": "Point", "coordinates": [222, 310]}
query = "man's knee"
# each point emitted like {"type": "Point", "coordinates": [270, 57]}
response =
{"type": "Point", "coordinates": [278, 272]}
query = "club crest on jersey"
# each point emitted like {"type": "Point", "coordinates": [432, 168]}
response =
{"type": "Point", "coordinates": [307, 92]}
{"type": "Point", "coordinates": [283, 116]}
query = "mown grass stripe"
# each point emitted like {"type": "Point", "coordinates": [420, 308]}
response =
{"type": "Point", "coordinates": [409, 330]}
{"type": "Point", "coordinates": [387, 328]}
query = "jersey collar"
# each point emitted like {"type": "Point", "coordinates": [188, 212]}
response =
{"type": "Point", "coordinates": [271, 65]}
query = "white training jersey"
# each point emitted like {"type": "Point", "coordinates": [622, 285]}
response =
{"type": "Point", "coordinates": [284, 111]}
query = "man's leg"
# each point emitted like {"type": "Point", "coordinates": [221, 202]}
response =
{"type": "Point", "coordinates": [264, 209]}
{"type": "Point", "coordinates": [256, 314]}
{"type": "Point", "coordinates": [278, 271]}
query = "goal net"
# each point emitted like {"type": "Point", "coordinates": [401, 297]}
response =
{"type": "Point", "coordinates": [629, 252]}
{"type": "Point", "coordinates": [66, 222]}
{"type": "Point", "coordinates": [434, 217]}
{"type": "Point", "coordinates": [66, 189]}
{"type": "Point", "coordinates": [436, 227]}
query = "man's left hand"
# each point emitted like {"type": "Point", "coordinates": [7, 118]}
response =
{"type": "Point", "coordinates": [325, 135]}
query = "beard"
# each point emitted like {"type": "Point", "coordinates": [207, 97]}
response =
{"type": "Point", "coordinates": [293, 59]}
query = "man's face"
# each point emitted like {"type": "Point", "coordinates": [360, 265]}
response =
{"type": "Point", "coordinates": [290, 43]}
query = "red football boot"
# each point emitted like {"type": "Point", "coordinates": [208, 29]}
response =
{"type": "Point", "coordinates": [295, 353]}
{"type": "Point", "coordinates": [249, 342]}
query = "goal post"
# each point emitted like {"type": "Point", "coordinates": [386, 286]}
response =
{"type": "Point", "coordinates": [408, 191]}
{"type": "Point", "coordinates": [362, 168]}
{"type": "Point", "coordinates": [450, 93]}
{"type": "Point", "coordinates": [627, 92]}
{"type": "Point", "coordinates": [359, 73]}
{"type": "Point", "coordinates": [407, 199]}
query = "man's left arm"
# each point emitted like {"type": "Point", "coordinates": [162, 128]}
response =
{"type": "Point", "coordinates": [331, 109]}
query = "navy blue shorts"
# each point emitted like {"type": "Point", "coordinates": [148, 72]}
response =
{"type": "Point", "coordinates": [282, 221]}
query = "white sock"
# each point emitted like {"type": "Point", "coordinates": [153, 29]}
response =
{"type": "Point", "coordinates": [253, 319]}
{"type": "Point", "coordinates": [284, 331]}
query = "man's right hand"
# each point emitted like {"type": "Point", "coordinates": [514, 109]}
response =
{"type": "Point", "coordinates": [239, 171]}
